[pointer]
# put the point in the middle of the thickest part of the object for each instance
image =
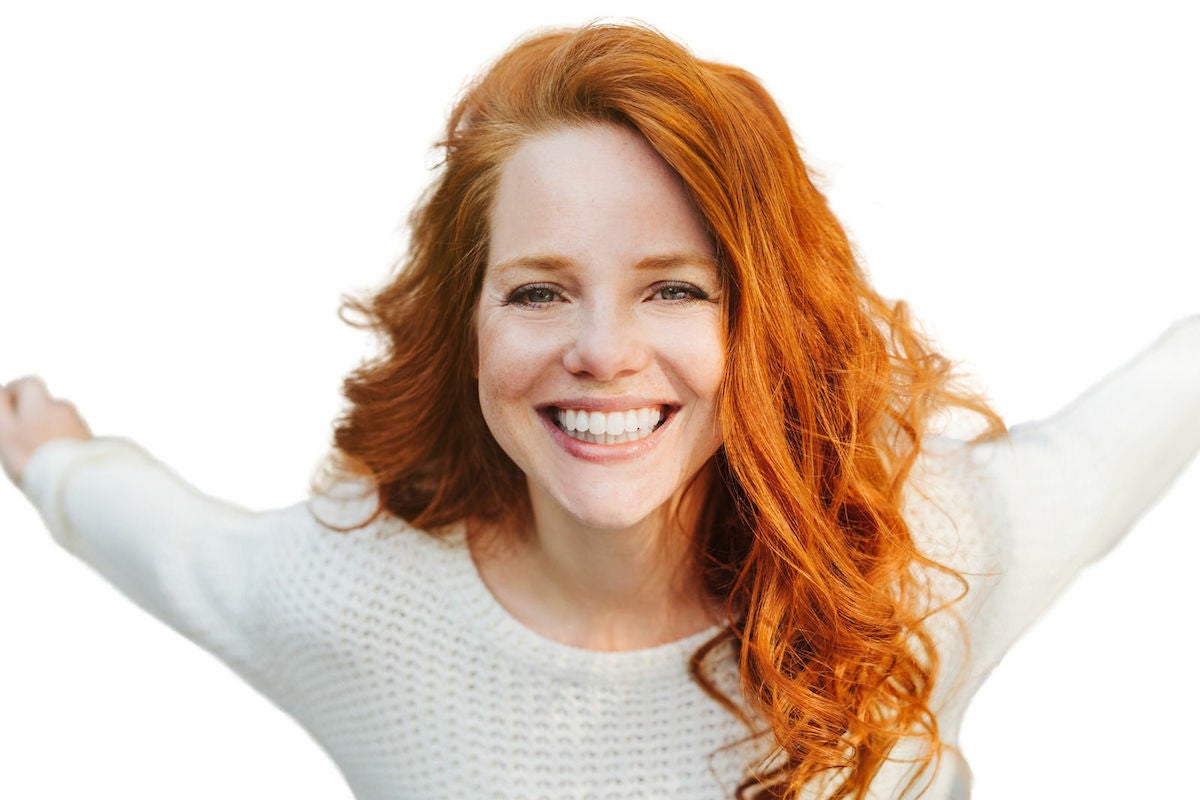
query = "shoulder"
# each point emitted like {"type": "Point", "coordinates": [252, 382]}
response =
{"type": "Point", "coordinates": [948, 507]}
{"type": "Point", "coordinates": [340, 527]}
{"type": "Point", "coordinates": [330, 579]}
{"type": "Point", "coordinates": [955, 522]}
{"type": "Point", "coordinates": [333, 551]}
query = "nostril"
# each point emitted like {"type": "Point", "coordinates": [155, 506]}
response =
{"type": "Point", "coordinates": [605, 362]}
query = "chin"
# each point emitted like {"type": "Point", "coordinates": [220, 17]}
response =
{"type": "Point", "coordinates": [612, 521]}
{"type": "Point", "coordinates": [609, 512]}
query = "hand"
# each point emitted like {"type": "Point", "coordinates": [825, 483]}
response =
{"type": "Point", "coordinates": [30, 417]}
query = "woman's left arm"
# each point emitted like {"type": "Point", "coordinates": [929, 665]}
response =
{"type": "Point", "coordinates": [1060, 492]}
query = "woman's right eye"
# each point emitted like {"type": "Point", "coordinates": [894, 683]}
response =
{"type": "Point", "coordinates": [534, 295]}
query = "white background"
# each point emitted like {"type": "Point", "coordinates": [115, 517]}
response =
{"type": "Point", "coordinates": [185, 194]}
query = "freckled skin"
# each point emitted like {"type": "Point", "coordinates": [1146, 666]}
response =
{"type": "Point", "coordinates": [598, 204]}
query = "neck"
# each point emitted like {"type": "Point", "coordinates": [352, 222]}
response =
{"type": "Point", "coordinates": [601, 589]}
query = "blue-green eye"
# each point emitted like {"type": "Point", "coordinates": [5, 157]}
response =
{"type": "Point", "coordinates": [679, 293]}
{"type": "Point", "coordinates": [533, 295]}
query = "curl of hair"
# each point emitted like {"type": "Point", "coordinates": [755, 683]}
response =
{"type": "Point", "coordinates": [803, 535]}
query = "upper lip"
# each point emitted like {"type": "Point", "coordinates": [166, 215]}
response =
{"type": "Point", "coordinates": [606, 403]}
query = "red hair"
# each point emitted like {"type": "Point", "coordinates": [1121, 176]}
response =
{"type": "Point", "coordinates": [803, 535]}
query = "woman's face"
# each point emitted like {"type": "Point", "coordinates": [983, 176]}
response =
{"type": "Point", "coordinates": [601, 340]}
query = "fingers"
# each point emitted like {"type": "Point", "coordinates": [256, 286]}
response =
{"type": "Point", "coordinates": [29, 417]}
{"type": "Point", "coordinates": [20, 397]}
{"type": "Point", "coordinates": [24, 385]}
{"type": "Point", "coordinates": [28, 391]}
{"type": "Point", "coordinates": [8, 405]}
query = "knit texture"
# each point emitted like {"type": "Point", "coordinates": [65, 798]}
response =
{"type": "Point", "coordinates": [385, 644]}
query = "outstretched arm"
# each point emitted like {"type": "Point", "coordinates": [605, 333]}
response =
{"type": "Point", "coordinates": [187, 558]}
{"type": "Point", "coordinates": [1062, 491]}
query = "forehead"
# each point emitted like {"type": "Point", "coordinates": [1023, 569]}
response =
{"type": "Point", "coordinates": [598, 191]}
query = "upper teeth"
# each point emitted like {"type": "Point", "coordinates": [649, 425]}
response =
{"type": "Point", "coordinates": [613, 423]}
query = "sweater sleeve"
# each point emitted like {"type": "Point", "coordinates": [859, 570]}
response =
{"type": "Point", "coordinates": [185, 557]}
{"type": "Point", "coordinates": [1059, 493]}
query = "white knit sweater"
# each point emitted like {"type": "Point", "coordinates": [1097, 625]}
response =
{"type": "Point", "coordinates": [385, 644]}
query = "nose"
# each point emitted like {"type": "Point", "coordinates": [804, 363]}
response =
{"type": "Point", "coordinates": [606, 345]}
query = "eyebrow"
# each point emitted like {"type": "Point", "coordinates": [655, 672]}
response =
{"type": "Point", "coordinates": [554, 263]}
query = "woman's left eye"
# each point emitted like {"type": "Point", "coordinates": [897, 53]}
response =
{"type": "Point", "coordinates": [679, 292]}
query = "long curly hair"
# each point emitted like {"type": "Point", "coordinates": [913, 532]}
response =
{"type": "Point", "coordinates": [802, 535]}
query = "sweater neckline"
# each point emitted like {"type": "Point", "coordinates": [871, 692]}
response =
{"type": "Point", "coordinates": [494, 625]}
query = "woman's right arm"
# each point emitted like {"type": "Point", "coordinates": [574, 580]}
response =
{"type": "Point", "coordinates": [185, 557]}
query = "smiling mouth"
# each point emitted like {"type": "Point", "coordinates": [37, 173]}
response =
{"type": "Point", "coordinates": [609, 427]}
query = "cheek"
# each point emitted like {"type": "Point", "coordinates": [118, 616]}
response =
{"type": "Point", "coordinates": [509, 360]}
{"type": "Point", "coordinates": [495, 382]}
{"type": "Point", "coordinates": [501, 392]}
{"type": "Point", "coordinates": [697, 356]}
{"type": "Point", "coordinates": [499, 402]}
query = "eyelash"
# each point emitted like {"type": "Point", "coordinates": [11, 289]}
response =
{"type": "Point", "coordinates": [694, 293]}
{"type": "Point", "coordinates": [520, 296]}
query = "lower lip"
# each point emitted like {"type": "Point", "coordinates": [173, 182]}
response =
{"type": "Point", "coordinates": [601, 453]}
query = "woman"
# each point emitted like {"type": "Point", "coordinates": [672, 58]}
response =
{"type": "Point", "coordinates": [803, 586]}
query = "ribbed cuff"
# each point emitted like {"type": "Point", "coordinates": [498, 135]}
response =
{"type": "Point", "coordinates": [52, 464]}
